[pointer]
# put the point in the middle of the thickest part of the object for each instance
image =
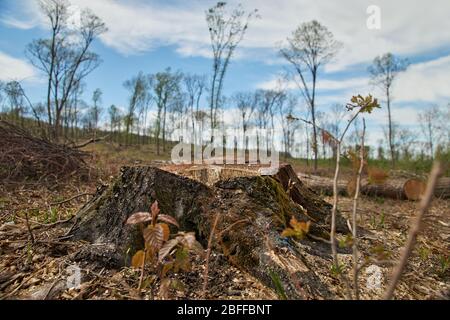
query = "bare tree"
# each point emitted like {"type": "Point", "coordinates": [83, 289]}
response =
{"type": "Point", "coordinates": [114, 119]}
{"type": "Point", "coordinates": [311, 46]}
{"type": "Point", "coordinates": [166, 87]}
{"type": "Point", "coordinates": [15, 98]}
{"type": "Point", "coordinates": [289, 123]}
{"type": "Point", "coordinates": [384, 71]}
{"type": "Point", "coordinates": [138, 87]}
{"type": "Point", "coordinates": [226, 32]}
{"type": "Point", "coordinates": [64, 57]}
{"type": "Point", "coordinates": [406, 140]}
{"type": "Point", "coordinates": [246, 104]}
{"type": "Point", "coordinates": [96, 109]}
{"type": "Point", "coordinates": [337, 113]}
{"type": "Point", "coordinates": [195, 86]}
{"type": "Point", "coordinates": [429, 120]}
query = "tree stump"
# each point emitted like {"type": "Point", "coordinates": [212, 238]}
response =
{"type": "Point", "coordinates": [252, 211]}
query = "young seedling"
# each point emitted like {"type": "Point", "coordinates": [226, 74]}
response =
{"type": "Point", "coordinates": [162, 251]}
{"type": "Point", "coordinates": [298, 229]}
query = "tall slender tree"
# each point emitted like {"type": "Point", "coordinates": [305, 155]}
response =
{"type": "Point", "coordinates": [310, 47]}
{"type": "Point", "coordinates": [226, 32]}
{"type": "Point", "coordinates": [383, 72]}
{"type": "Point", "coordinates": [138, 87]}
{"type": "Point", "coordinates": [166, 87]}
{"type": "Point", "coordinates": [65, 57]}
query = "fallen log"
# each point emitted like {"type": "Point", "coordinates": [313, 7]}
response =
{"type": "Point", "coordinates": [322, 185]}
{"type": "Point", "coordinates": [253, 211]}
{"type": "Point", "coordinates": [442, 189]}
{"type": "Point", "coordinates": [398, 189]}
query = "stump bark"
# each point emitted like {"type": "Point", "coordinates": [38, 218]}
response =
{"type": "Point", "coordinates": [252, 211]}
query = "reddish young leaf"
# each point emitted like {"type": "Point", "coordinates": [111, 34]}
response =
{"type": "Point", "coordinates": [155, 208]}
{"type": "Point", "coordinates": [139, 217]}
{"type": "Point", "coordinates": [138, 259]}
{"type": "Point", "coordinates": [167, 248]}
{"type": "Point", "coordinates": [166, 231]}
{"type": "Point", "coordinates": [154, 236]}
{"type": "Point", "coordinates": [168, 219]}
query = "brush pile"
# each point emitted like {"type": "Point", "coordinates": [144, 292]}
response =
{"type": "Point", "coordinates": [26, 158]}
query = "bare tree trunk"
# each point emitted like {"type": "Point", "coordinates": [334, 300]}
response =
{"type": "Point", "coordinates": [164, 129]}
{"type": "Point", "coordinates": [313, 113]}
{"type": "Point", "coordinates": [391, 144]}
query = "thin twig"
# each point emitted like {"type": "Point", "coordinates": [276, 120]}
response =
{"type": "Point", "coordinates": [72, 198]}
{"type": "Point", "coordinates": [231, 226]}
{"type": "Point", "coordinates": [92, 140]}
{"type": "Point", "coordinates": [415, 228]}
{"type": "Point", "coordinates": [141, 278]}
{"type": "Point", "coordinates": [354, 224]}
{"type": "Point", "coordinates": [208, 253]}
{"type": "Point", "coordinates": [28, 227]}
{"type": "Point", "coordinates": [51, 287]}
{"type": "Point", "coordinates": [46, 225]}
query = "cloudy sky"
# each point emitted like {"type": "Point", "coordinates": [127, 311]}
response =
{"type": "Point", "coordinates": [150, 35]}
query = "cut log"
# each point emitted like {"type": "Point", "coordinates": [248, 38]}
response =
{"type": "Point", "coordinates": [398, 189]}
{"type": "Point", "coordinates": [414, 189]}
{"type": "Point", "coordinates": [252, 211]}
{"type": "Point", "coordinates": [322, 185]}
{"type": "Point", "coordinates": [388, 189]}
{"type": "Point", "coordinates": [442, 190]}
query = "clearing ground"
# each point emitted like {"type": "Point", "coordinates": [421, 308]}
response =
{"type": "Point", "coordinates": [40, 270]}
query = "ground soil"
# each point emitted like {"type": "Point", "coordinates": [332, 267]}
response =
{"type": "Point", "coordinates": [35, 270]}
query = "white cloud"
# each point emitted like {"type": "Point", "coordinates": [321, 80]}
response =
{"type": "Point", "coordinates": [18, 24]}
{"type": "Point", "coordinates": [137, 26]}
{"type": "Point", "coordinates": [354, 84]}
{"type": "Point", "coordinates": [15, 69]}
{"type": "Point", "coordinates": [428, 81]}
{"type": "Point", "coordinates": [404, 115]}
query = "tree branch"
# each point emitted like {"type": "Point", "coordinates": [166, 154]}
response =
{"type": "Point", "coordinates": [415, 228]}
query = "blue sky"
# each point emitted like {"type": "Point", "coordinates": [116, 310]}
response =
{"type": "Point", "coordinates": [148, 36]}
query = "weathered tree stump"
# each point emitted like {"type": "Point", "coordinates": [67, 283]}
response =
{"type": "Point", "coordinates": [252, 211]}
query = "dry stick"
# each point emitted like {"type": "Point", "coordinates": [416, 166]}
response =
{"type": "Point", "coordinates": [208, 253]}
{"type": "Point", "coordinates": [354, 224]}
{"type": "Point", "coordinates": [415, 228]}
{"type": "Point", "coordinates": [141, 278]}
{"type": "Point", "coordinates": [28, 227]}
{"type": "Point", "coordinates": [72, 198]}
{"type": "Point", "coordinates": [92, 140]}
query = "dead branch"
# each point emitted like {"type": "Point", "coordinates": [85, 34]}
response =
{"type": "Point", "coordinates": [72, 198]}
{"type": "Point", "coordinates": [415, 228]}
{"type": "Point", "coordinates": [208, 253]}
{"type": "Point", "coordinates": [28, 227]}
{"type": "Point", "coordinates": [90, 141]}
{"type": "Point", "coordinates": [24, 157]}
